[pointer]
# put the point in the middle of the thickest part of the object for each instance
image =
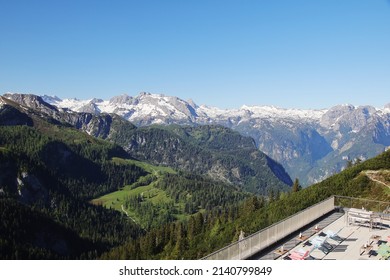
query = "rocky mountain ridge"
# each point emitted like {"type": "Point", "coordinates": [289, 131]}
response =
{"type": "Point", "coordinates": [310, 144]}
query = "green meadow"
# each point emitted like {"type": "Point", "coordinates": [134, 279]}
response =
{"type": "Point", "coordinates": [146, 189]}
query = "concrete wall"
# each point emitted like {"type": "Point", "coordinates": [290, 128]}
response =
{"type": "Point", "coordinates": [268, 236]}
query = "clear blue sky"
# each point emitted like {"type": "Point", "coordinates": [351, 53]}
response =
{"type": "Point", "coordinates": [287, 53]}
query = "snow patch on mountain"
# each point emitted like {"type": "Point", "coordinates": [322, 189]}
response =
{"type": "Point", "coordinates": [160, 106]}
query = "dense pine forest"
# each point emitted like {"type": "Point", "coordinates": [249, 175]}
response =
{"type": "Point", "coordinates": [56, 180]}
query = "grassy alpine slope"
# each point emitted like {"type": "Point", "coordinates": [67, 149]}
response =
{"type": "Point", "coordinates": [202, 235]}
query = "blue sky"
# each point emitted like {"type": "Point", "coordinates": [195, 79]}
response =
{"type": "Point", "coordinates": [287, 53]}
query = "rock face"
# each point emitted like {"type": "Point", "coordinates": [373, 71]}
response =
{"type": "Point", "coordinates": [30, 189]}
{"type": "Point", "coordinates": [310, 144]}
{"type": "Point", "coordinates": [97, 125]}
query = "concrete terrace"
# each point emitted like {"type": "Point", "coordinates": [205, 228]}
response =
{"type": "Point", "coordinates": [362, 227]}
{"type": "Point", "coordinates": [350, 247]}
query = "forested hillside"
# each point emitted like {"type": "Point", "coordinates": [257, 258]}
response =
{"type": "Point", "coordinates": [52, 180]}
{"type": "Point", "coordinates": [204, 234]}
{"type": "Point", "coordinates": [213, 150]}
{"type": "Point", "coordinates": [49, 172]}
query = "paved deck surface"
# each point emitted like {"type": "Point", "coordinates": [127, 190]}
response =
{"type": "Point", "coordinates": [350, 247]}
{"type": "Point", "coordinates": [354, 238]}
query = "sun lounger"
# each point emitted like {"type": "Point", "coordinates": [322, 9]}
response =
{"type": "Point", "coordinates": [299, 255]}
{"type": "Point", "coordinates": [322, 248]}
{"type": "Point", "coordinates": [322, 244]}
{"type": "Point", "coordinates": [334, 235]}
{"type": "Point", "coordinates": [384, 251]}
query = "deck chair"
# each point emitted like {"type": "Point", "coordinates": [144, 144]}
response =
{"type": "Point", "coordinates": [299, 255]}
{"type": "Point", "coordinates": [322, 244]}
{"type": "Point", "coordinates": [384, 251]}
{"type": "Point", "coordinates": [334, 235]}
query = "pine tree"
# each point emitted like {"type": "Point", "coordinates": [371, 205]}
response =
{"type": "Point", "coordinates": [191, 228]}
{"type": "Point", "coordinates": [271, 195]}
{"type": "Point", "coordinates": [296, 186]}
{"type": "Point", "coordinates": [349, 163]}
{"type": "Point", "coordinates": [181, 244]}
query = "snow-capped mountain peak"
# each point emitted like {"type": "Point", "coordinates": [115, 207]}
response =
{"type": "Point", "coordinates": [146, 108]}
{"type": "Point", "coordinates": [276, 112]}
{"type": "Point", "coordinates": [149, 108]}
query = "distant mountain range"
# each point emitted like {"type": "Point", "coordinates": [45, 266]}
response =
{"type": "Point", "coordinates": [215, 151]}
{"type": "Point", "coordinates": [310, 144]}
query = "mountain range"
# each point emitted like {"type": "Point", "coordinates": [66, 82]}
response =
{"type": "Point", "coordinates": [213, 150]}
{"type": "Point", "coordinates": [310, 144]}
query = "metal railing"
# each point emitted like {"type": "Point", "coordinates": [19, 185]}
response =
{"type": "Point", "coordinates": [369, 204]}
{"type": "Point", "coordinates": [264, 238]}
{"type": "Point", "coordinates": [382, 208]}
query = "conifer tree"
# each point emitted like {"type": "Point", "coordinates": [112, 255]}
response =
{"type": "Point", "coordinates": [296, 186]}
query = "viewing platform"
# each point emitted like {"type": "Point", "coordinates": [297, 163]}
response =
{"type": "Point", "coordinates": [339, 228]}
